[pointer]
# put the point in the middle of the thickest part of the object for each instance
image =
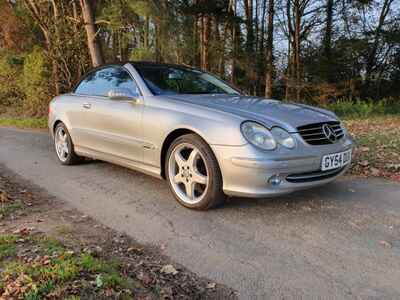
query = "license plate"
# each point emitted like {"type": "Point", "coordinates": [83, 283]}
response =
{"type": "Point", "coordinates": [335, 160]}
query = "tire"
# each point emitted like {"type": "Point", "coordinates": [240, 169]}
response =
{"type": "Point", "coordinates": [68, 155]}
{"type": "Point", "coordinates": [193, 173]}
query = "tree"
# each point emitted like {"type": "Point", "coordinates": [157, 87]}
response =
{"type": "Point", "coordinates": [327, 41]}
{"type": "Point", "coordinates": [87, 7]}
{"type": "Point", "coordinates": [270, 50]}
{"type": "Point", "coordinates": [371, 58]}
{"type": "Point", "coordinates": [302, 17]}
{"type": "Point", "coordinates": [308, 50]}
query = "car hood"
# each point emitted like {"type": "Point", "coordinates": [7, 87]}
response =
{"type": "Point", "coordinates": [269, 112]}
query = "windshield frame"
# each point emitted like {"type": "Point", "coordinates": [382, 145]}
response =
{"type": "Point", "coordinates": [139, 65]}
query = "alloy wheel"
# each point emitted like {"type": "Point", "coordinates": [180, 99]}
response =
{"type": "Point", "coordinates": [61, 143]}
{"type": "Point", "coordinates": [188, 173]}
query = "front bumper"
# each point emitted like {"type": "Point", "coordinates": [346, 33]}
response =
{"type": "Point", "coordinates": [246, 170]}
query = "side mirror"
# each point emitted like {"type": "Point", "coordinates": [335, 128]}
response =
{"type": "Point", "coordinates": [122, 94]}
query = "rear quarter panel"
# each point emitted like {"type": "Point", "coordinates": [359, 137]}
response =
{"type": "Point", "coordinates": [67, 109]}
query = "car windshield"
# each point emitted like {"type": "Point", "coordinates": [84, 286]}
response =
{"type": "Point", "coordinates": [162, 80]}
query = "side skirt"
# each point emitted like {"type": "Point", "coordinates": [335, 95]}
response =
{"type": "Point", "coordinates": [134, 165]}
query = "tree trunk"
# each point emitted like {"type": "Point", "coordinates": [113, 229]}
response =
{"type": "Point", "coordinates": [146, 33]}
{"type": "Point", "coordinates": [288, 71]}
{"type": "Point", "coordinates": [371, 60]}
{"type": "Point", "coordinates": [249, 26]}
{"type": "Point", "coordinates": [328, 40]}
{"type": "Point", "coordinates": [55, 69]}
{"type": "Point", "coordinates": [235, 31]}
{"type": "Point", "coordinates": [270, 49]}
{"type": "Point", "coordinates": [297, 40]}
{"type": "Point", "coordinates": [90, 26]}
{"type": "Point", "coordinates": [205, 57]}
{"type": "Point", "coordinates": [291, 37]}
{"type": "Point", "coordinates": [261, 66]}
{"type": "Point", "coordinates": [157, 38]}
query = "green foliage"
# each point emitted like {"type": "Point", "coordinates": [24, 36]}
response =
{"type": "Point", "coordinates": [34, 83]}
{"type": "Point", "coordinates": [72, 298]}
{"type": "Point", "coordinates": [50, 245]}
{"type": "Point", "coordinates": [43, 289]}
{"type": "Point", "coordinates": [7, 246]}
{"type": "Point", "coordinates": [9, 207]}
{"type": "Point", "coordinates": [114, 280]}
{"type": "Point", "coordinates": [10, 69]}
{"type": "Point", "coordinates": [142, 8]}
{"type": "Point", "coordinates": [363, 109]}
{"type": "Point", "coordinates": [92, 264]}
{"type": "Point", "coordinates": [141, 54]}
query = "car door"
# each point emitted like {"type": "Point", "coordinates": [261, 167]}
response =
{"type": "Point", "coordinates": [111, 127]}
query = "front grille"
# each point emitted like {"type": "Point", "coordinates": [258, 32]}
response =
{"type": "Point", "coordinates": [313, 176]}
{"type": "Point", "coordinates": [313, 134]}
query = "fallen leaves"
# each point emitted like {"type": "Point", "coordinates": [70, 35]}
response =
{"type": "Point", "coordinates": [99, 281]}
{"type": "Point", "coordinates": [378, 147]}
{"type": "Point", "coordinates": [211, 285]}
{"type": "Point", "coordinates": [144, 277]}
{"type": "Point", "coordinates": [135, 250]}
{"type": "Point", "coordinates": [15, 288]}
{"type": "Point", "coordinates": [393, 167]}
{"type": "Point", "coordinates": [24, 230]}
{"type": "Point", "coordinates": [385, 244]}
{"type": "Point", "coordinates": [4, 197]}
{"type": "Point", "coordinates": [169, 269]}
{"type": "Point", "coordinates": [375, 172]}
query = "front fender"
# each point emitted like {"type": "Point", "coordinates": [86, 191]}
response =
{"type": "Point", "coordinates": [215, 127]}
{"type": "Point", "coordinates": [161, 118]}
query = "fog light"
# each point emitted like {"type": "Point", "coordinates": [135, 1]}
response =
{"type": "Point", "coordinates": [274, 180]}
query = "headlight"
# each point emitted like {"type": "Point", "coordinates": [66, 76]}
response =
{"type": "Point", "coordinates": [258, 135]}
{"type": "Point", "coordinates": [283, 137]}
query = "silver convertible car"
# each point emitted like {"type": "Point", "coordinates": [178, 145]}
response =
{"type": "Point", "coordinates": [196, 131]}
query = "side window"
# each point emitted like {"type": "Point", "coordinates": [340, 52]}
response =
{"type": "Point", "coordinates": [99, 83]}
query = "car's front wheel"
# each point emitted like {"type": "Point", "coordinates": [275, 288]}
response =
{"type": "Point", "coordinates": [193, 173]}
{"type": "Point", "coordinates": [64, 146]}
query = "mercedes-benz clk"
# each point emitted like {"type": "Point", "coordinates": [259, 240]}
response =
{"type": "Point", "coordinates": [204, 137]}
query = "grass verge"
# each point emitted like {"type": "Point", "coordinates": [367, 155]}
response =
{"type": "Point", "coordinates": [34, 123]}
{"type": "Point", "coordinates": [37, 267]}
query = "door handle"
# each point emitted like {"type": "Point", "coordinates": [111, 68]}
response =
{"type": "Point", "coordinates": [87, 105]}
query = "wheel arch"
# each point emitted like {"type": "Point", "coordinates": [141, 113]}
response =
{"type": "Point", "coordinates": [170, 138]}
{"type": "Point", "coordinates": [55, 125]}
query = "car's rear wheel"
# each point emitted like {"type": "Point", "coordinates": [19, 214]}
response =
{"type": "Point", "coordinates": [64, 146]}
{"type": "Point", "coordinates": [193, 173]}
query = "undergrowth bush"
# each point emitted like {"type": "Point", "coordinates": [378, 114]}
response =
{"type": "Point", "coordinates": [10, 71]}
{"type": "Point", "coordinates": [24, 83]}
{"type": "Point", "coordinates": [35, 83]}
{"type": "Point", "coordinates": [364, 108]}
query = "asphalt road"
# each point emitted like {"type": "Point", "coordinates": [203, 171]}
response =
{"type": "Point", "coordinates": [338, 241]}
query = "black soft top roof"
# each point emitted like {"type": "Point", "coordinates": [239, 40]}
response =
{"type": "Point", "coordinates": [156, 64]}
